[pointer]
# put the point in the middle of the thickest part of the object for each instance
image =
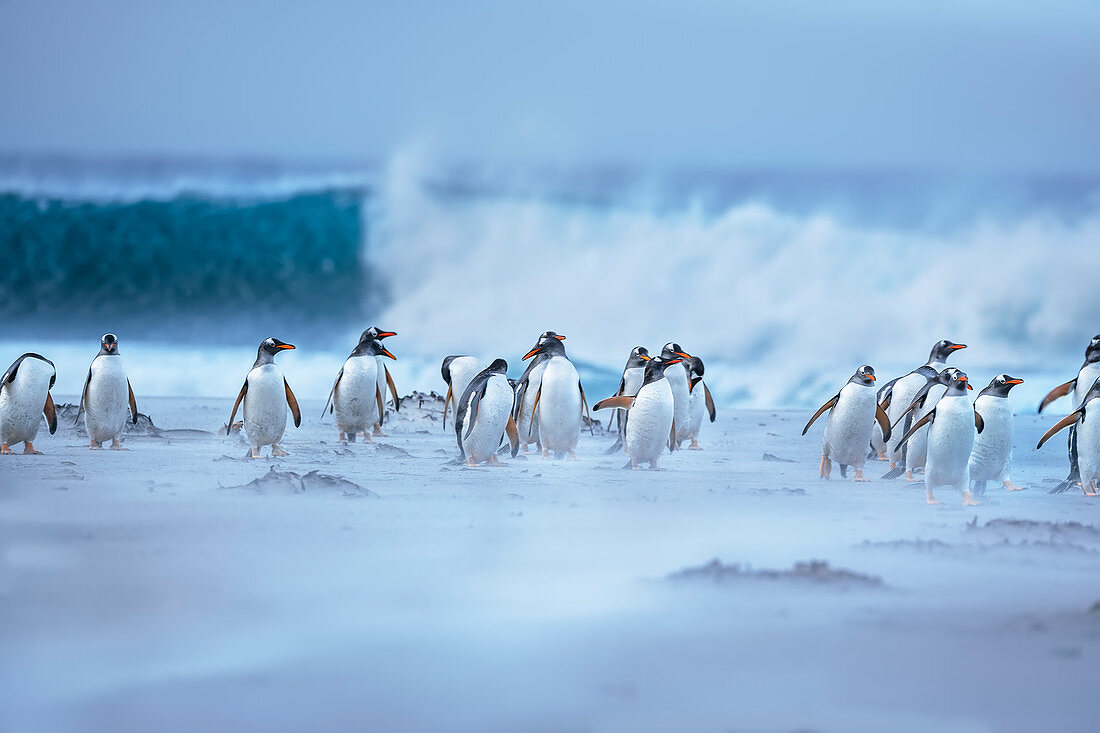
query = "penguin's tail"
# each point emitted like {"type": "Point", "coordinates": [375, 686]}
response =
{"type": "Point", "coordinates": [843, 471]}
{"type": "Point", "coordinates": [979, 488]}
{"type": "Point", "coordinates": [615, 448]}
{"type": "Point", "coordinates": [1064, 486]}
{"type": "Point", "coordinates": [627, 465]}
{"type": "Point", "coordinates": [894, 472]}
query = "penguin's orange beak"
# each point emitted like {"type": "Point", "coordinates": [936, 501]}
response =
{"type": "Point", "coordinates": [1015, 381]}
{"type": "Point", "coordinates": [560, 338]}
{"type": "Point", "coordinates": [686, 356]}
{"type": "Point", "coordinates": [285, 346]}
{"type": "Point", "coordinates": [674, 361]}
{"type": "Point", "coordinates": [957, 346]}
{"type": "Point", "coordinates": [872, 377]}
{"type": "Point", "coordinates": [643, 357]}
{"type": "Point", "coordinates": [386, 334]}
{"type": "Point", "coordinates": [531, 353]}
{"type": "Point", "coordinates": [385, 352]}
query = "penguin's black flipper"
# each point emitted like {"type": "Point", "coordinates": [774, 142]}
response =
{"type": "Point", "coordinates": [895, 471]}
{"type": "Point", "coordinates": [447, 404]}
{"type": "Point", "coordinates": [393, 390]}
{"type": "Point", "coordinates": [920, 424]}
{"type": "Point", "coordinates": [821, 410]}
{"type": "Point", "coordinates": [51, 413]}
{"type": "Point", "coordinates": [379, 403]}
{"type": "Point", "coordinates": [886, 393]}
{"type": "Point", "coordinates": [133, 403]}
{"type": "Point", "coordinates": [513, 435]}
{"type": "Point", "coordinates": [84, 396]}
{"type": "Point", "coordinates": [615, 448]}
{"type": "Point", "coordinates": [534, 410]}
{"type": "Point", "coordinates": [1060, 391]}
{"type": "Point", "coordinates": [884, 426]}
{"type": "Point", "coordinates": [233, 414]}
{"type": "Point", "coordinates": [472, 413]}
{"type": "Point", "coordinates": [709, 401]}
{"type": "Point", "coordinates": [1065, 422]}
{"type": "Point", "coordinates": [621, 401]}
{"type": "Point", "coordinates": [332, 392]}
{"type": "Point", "coordinates": [672, 444]}
{"type": "Point", "coordinates": [979, 423]}
{"type": "Point", "coordinates": [584, 404]}
{"type": "Point", "coordinates": [292, 401]}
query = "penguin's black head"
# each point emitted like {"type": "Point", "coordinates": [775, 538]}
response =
{"type": "Point", "coordinates": [1092, 351]}
{"type": "Point", "coordinates": [865, 375]}
{"type": "Point", "coordinates": [655, 368]}
{"type": "Point", "coordinates": [376, 333]}
{"type": "Point", "coordinates": [639, 355]}
{"type": "Point", "coordinates": [498, 366]}
{"type": "Point", "coordinates": [944, 349]}
{"type": "Point", "coordinates": [547, 335]}
{"type": "Point", "coordinates": [108, 344]}
{"type": "Point", "coordinates": [673, 350]}
{"type": "Point", "coordinates": [273, 346]}
{"type": "Point", "coordinates": [1000, 385]}
{"type": "Point", "coordinates": [947, 375]}
{"type": "Point", "coordinates": [695, 366]}
{"type": "Point", "coordinates": [957, 383]}
{"type": "Point", "coordinates": [549, 343]}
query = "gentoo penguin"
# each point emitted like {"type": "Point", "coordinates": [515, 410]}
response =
{"type": "Point", "coordinates": [991, 458]}
{"type": "Point", "coordinates": [952, 424]}
{"type": "Point", "coordinates": [457, 371]}
{"type": "Point", "coordinates": [107, 394]}
{"type": "Point", "coordinates": [356, 395]}
{"type": "Point", "coordinates": [898, 394]}
{"type": "Point", "coordinates": [916, 450]}
{"type": "Point", "coordinates": [1086, 418]}
{"type": "Point", "coordinates": [853, 413]}
{"type": "Point", "coordinates": [631, 382]}
{"type": "Point", "coordinates": [24, 398]}
{"type": "Point", "coordinates": [650, 428]}
{"type": "Point", "coordinates": [484, 415]}
{"type": "Point", "coordinates": [266, 394]}
{"type": "Point", "coordinates": [527, 389]}
{"type": "Point", "coordinates": [677, 375]}
{"type": "Point", "coordinates": [559, 401]}
{"type": "Point", "coordinates": [383, 375]}
{"type": "Point", "coordinates": [1078, 386]}
{"type": "Point", "coordinates": [699, 401]}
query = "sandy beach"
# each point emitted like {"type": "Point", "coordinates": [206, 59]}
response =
{"type": "Point", "coordinates": [178, 586]}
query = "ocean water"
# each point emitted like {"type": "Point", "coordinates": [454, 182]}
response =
{"type": "Point", "coordinates": [783, 281]}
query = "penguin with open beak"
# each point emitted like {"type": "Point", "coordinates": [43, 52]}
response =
{"type": "Point", "coordinates": [651, 427]}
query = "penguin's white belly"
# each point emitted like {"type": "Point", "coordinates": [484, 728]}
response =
{"type": "Point", "coordinates": [354, 403]}
{"type": "Point", "coordinates": [991, 457]}
{"type": "Point", "coordinates": [650, 424]}
{"type": "Point", "coordinates": [848, 432]}
{"type": "Point", "coordinates": [916, 454]}
{"type": "Point", "coordinates": [528, 432]}
{"type": "Point", "coordinates": [1088, 443]}
{"type": "Point", "coordinates": [905, 389]}
{"type": "Point", "coordinates": [265, 406]}
{"type": "Point", "coordinates": [107, 402]}
{"type": "Point", "coordinates": [632, 380]}
{"type": "Point", "coordinates": [696, 409]}
{"type": "Point", "coordinates": [559, 412]}
{"type": "Point", "coordinates": [681, 410]}
{"type": "Point", "coordinates": [950, 440]}
{"type": "Point", "coordinates": [1085, 379]}
{"type": "Point", "coordinates": [21, 402]}
{"type": "Point", "coordinates": [491, 419]}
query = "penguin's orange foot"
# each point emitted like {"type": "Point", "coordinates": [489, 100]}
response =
{"type": "Point", "coordinates": [470, 461]}
{"type": "Point", "coordinates": [5, 450]}
{"type": "Point", "coordinates": [254, 453]}
{"type": "Point", "coordinates": [378, 430]}
{"type": "Point", "coordinates": [881, 456]}
{"type": "Point", "coordinates": [276, 451]}
{"type": "Point", "coordinates": [694, 445]}
{"type": "Point", "coordinates": [931, 499]}
{"type": "Point", "coordinates": [1013, 487]}
{"type": "Point", "coordinates": [860, 478]}
{"type": "Point", "coordinates": [825, 468]}
{"type": "Point", "coordinates": [545, 452]}
{"type": "Point", "coordinates": [969, 500]}
{"type": "Point", "coordinates": [28, 450]}
{"type": "Point", "coordinates": [343, 438]}
{"type": "Point", "coordinates": [1090, 490]}
{"type": "Point", "coordinates": [115, 445]}
{"type": "Point", "coordinates": [94, 445]}
{"type": "Point", "coordinates": [525, 449]}
{"type": "Point", "coordinates": [366, 437]}
{"type": "Point", "coordinates": [572, 454]}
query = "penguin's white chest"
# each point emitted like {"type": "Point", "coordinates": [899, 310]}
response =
{"type": "Point", "coordinates": [1088, 442]}
{"type": "Point", "coordinates": [1085, 379]}
{"type": "Point", "coordinates": [265, 406]}
{"type": "Point", "coordinates": [493, 411]}
{"type": "Point", "coordinates": [848, 431]}
{"type": "Point", "coordinates": [21, 402]}
{"type": "Point", "coordinates": [916, 455]}
{"type": "Point", "coordinates": [650, 423]}
{"type": "Point", "coordinates": [697, 407]}
{"type": "Point", "coordinates": [632, 380]}
{"type": "Point", "coordinates": [355, 401]}
{"type": "Point", "coordinates": [463, 370]}
{"type": "Point", "coordinates": [901, 396]}
{"type": "Point", "coordinates": [991, 456]}
{"type": "Point", "coordinates": [107, 402]}
{"type": "Point", "coordinates": [678, 383]}
{"type": "Point", "coordinates": [950, 440]}
{"type": "Point", "coordinates": [559, 418]}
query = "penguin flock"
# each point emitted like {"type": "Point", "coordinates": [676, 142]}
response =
{"type": "Point", "coordinates": [922, 423]}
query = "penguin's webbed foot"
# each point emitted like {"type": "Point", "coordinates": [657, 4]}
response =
{"type": "Point", "coordinates": [825, 468]}
{"type": "Point", "coordinates": [572, 454]}
{"type": "Point", "coordinates": [694, 445]}
{"type": "Point", "coordinates": [378, 431]}
{"type": "Point", "coordinates": [1012, 487]}
{"type": "Point", "coordinates": [277, 452]}
{"type": "Point", "coordinates": [94, 445]}
{"type": "Point", "coordinates": [911, 478]}
{"type": "Point", "coordinates": [5, 450]}
{"type": "Point", "coordinates": [115, 445]}
{"type": "Point", "coordinates": [254, 453]}
{"type": "Point", "coordinates": [28, 450]}
{"type": "Point", "coordinates": [470, 461]}
{"type": "Point", "coordinates": [928, 498]}
{"type": "Point", "coordinates": [860, 478]}
{"type": "Point", "coordinates": [969, 500]}
{"type": "Point", "coordinates": [881, 456]}
{"type": "Point", "coordinates": [343, 438]}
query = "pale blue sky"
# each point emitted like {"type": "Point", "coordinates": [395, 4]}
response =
{"type": "Point", "coordinates": [975, 86]}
